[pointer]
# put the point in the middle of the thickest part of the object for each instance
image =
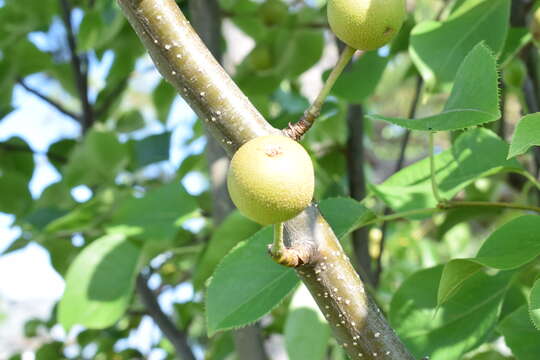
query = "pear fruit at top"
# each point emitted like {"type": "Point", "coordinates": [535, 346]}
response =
{"type": "Point", "coordinates": [271, 179]}
{"type": "Point", "coordinates": [366, 24]}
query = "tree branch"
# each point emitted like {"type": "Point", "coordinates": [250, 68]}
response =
{"type": "Point", "coordinates": [185, 62]}
{"type": "Point", "coordinates": [325, 269]}
{"type": "Point", "coordinates": [80, 68]}
{"type": "Point", "coordinates": [206, 18]}
{"type": "Point", "coordinates": [48, 100]}
{"type": "Point", "coordinates": [177, 338]}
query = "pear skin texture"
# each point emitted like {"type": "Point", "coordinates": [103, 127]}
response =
{"type": "Point", "coordinates": [366, 24]}
{"type": "Point", "coordinates": [271, 179]}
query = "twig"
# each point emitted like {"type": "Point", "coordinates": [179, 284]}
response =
{"type": "Point", "coordinates": [80, 68]}
{"type": "Point", "coordinates": [411, 115]}
{"type": "Point", "coordinates": [495, 204]}
{"type": "Point", "coordinates": [109, 100]}
{"type": "Point", "coordinates": [177, 338]}
{"type": "Point", "coordinates": [450, 205]}
{"type": "Point", "coordinates": [298, 129]}
{"type": "Point", "coordinates": [48, 100]}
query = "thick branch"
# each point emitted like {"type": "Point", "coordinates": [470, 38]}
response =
{"type": "Point", "coordinates": [187, 64]}
{"type": "Point", "coordinates": [177, 338]}
{"type": "Point", "coordinates": [206, 19]}
{"type": "Point", "coordinates": [357, 186]}
{"type": "Point", "coordinates": [184, 61]}
{"type": "Point", "coordinates": [48, 100]}
{"type": "Point", "coordinates": [357, 323]}
{"type": "Point", "coordinates": [80, 68]}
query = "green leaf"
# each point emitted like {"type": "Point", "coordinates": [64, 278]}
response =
{"type": "Point", "coordinates": [163, 97]}
{"type": "Point", "coordinates": [15, 197]}
{"type": "Point", "coordinates": [17, 156]}
{"type": "Point", "coordinates": [58, 152]}
{"type": "Point", "coordinates": [520, 335]}
{"type": "Point", "coordinates": [474, 99]}
{"type": "Point", "coordinates": [250, 25]}
{"type": "Point", "coordinates": [527, 134]}
{"type": "Point", "coordinates": [235, 228]}
{"type": "Point", "coordinates": [516, 40]}
{"type": "Point", "coordinates": [534, 305]}
{"type": "Point", "coordinates": [246, 285]}
{"type": "Point", "coordinates": [85, 216]}
{"type": "Point", "coordinates": [306, 330]}
{"type": "Point", "coordinates": [345, 215]}
{"type": "Point", "coordinates": [61, 252]}
{"type": "Point", "coordinates": [130, 121]}
{"type": "Point", "coordinates": [437, 48]}
{"type": "Point", "coordinates": [99, 283]}
{"type": "Point", "coordinates": [455, 273]}
{"type": "Point", "coordinates": [29, 59]}
{"type": "Point", "coordinates": [456, 327]}
{"type": "Point", "coordinates": [157, 215]}
{"type": "Point", "coordinates": [360, 81]}
{"type": "Point", "coordinates": [97, 160]}
{"type": "Point", "coordinates": [52, 350]}
{"type": "Point", "coordinates": [100, 26]}
{"type": "Point", "coordinates": [151, 149]}
{"type": "Point", "coordinates": [512, 245]}
{"type": "Point", "coordinates": [490, 355]}
{"type": "Point", "coordinates": [299, 51]}
{"type": "Point", "coordinates": [455, 168]}
{"type": "Point", "coordinates": [40, 217]}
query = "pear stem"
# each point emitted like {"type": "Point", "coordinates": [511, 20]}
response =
{"type": "Point", "coordinates": [297, 130]}
{"type": "Point", "coordinates": [278, 247]}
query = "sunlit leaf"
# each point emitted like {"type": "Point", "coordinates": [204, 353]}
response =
{"type": "Point", "coordinates": [447, 332]}
{"type": "Point", "coordinates": [438, 57]}
{"type": "Point", "coordinates": [474, 99]}
{"type": "Point", "coordinates": [99, 283]}
{"type": "Point", "coordinates": [455, 168]}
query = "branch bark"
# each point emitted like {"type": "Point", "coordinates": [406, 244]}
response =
{"type": "Point", "coordinates": [206, 18]}
{"type": "Point", "coordinates": [327, 272]}
{"type": "Point", "coordinates": [177, 338]}
{"type": "Point", "coordinates": [185, 62]}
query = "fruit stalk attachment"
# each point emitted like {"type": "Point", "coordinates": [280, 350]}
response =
{"type": "Point", "coordinates": [298, 129]}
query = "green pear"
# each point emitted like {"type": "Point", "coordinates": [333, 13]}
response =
{"type": "Point", "coordinates": [366, 24]}
{"type": "Point", "coordinates": [271, 179]}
